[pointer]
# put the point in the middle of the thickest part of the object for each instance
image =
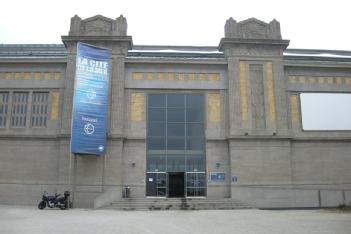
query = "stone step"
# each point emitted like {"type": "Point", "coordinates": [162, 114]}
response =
{"type": "Point", "coordinates": [176, 204]}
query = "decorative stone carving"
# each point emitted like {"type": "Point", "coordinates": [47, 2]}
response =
{"type": "Point", "coordinates": [231, 28]}
{"type": "Point", "coordinates": [253, 51]}
{"type": "Point", "coordinates": [75, 25]}
{"type": "Point", "coordinates": [252, 29]}
{"type": "Point", "coordinates": [274, 29]}
{"type": "Point", "coordinates": [98, 26]}
{"type": "Point", "coordinates": [120, 26]}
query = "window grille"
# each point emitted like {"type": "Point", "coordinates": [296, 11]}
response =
{"type": "Point", "coordinates": [19, 109]}
{"type": "Point", "coordinates": [40, 101]}
{"type": "Point", "coordinates": [4, 99]}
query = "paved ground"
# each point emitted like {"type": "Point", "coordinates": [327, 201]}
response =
{"type": "Point", "coordinates": [31, 220]}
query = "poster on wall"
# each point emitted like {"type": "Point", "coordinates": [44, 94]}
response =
{"type": "Point", "coordinates": [217, 176]}
{"type": "Point", "coordinates": [90, 100]}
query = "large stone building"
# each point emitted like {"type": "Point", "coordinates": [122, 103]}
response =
{"type": "Point", "coordinates": [221, 122]}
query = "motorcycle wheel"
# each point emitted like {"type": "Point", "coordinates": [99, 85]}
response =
{"type": "Point", "coordinates": [65, 206]}
{"type": "Point", "coordinates": [41, 205]}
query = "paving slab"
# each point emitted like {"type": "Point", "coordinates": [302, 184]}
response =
{"type": "Point", "coordinates": [19, 219]}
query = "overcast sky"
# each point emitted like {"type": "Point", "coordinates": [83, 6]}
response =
{"type": "Point", "coordinates": [307, 24]}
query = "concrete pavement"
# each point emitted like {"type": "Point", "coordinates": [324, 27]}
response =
{"type": "Point", "coordinates": [15, 219]}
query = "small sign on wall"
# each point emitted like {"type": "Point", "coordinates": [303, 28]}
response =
{"type": "Point", "coordinates": [217, 176]}
{"type": "Point", "coordinates": [234, 179]}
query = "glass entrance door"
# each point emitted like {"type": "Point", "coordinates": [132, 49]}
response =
{"type": "Point", "coordinates": [176, 145]}
{"type": "Point", "coordinates": [176, 184]}
{"type": "Point", "coordinates": [156, 184]}
{"type": "Point", "coordinates": [195, 184]}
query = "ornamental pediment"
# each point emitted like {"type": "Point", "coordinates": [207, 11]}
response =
{"type": "Point", "coordinates": [252, 29]}
{"type": "Point", "coordinates": [98, 26]}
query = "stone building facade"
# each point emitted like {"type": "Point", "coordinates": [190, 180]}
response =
{"type": "Point", "coordinates": [184, 121]}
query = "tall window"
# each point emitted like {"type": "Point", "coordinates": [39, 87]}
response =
{"type": "Point", "coordinates": [19, 109]}
{"type": "Point", "coordinates": [176, 140]}
{"type": "Point", "coordinates": [40, 102]}
{"type": "Point", "coordinates": [4, 99]}
{"type": "Point", "coordinates": [175, 132]}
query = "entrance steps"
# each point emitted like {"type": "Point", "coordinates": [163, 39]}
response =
{"type": "Point", "coordinates": [177, 204]}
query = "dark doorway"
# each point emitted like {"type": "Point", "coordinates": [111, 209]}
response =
{"type": "Point", "coordinates": [176, 184]}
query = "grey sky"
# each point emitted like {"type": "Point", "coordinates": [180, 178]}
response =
{"type": "Point", "coordinates": [308, 24]}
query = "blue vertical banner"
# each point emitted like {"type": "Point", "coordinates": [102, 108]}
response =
{"type": "Point", "coordinates": [90, 101]}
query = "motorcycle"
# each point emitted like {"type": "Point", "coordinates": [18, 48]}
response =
{"type": "Point", "coordinates": [57, 200]}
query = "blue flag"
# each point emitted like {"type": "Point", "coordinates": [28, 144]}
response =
{"type": "Point", "coordinates": [90, 101]}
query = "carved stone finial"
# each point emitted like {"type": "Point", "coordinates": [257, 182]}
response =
{"type": "Point", "coordinates": [252, 29]}
{"type": "Point", "coordinates": [230, 28]}
{"type": "Point", "coordinates": [274, 28]}
{"type": "Point", "coordinates": [120, 28]}
{"type": "Point", "coordinates": [75, 25]}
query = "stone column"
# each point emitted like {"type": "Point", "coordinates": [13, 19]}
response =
{"type": "Point", "coordinates": [69, 89]}
{"type": "Point", "coordinates": [249, 45]}
{"type": "Point", "coordinates": [95, 173]}
{"type": "Point", "coordinates": [117, 96]}
{"type": "Point", "coordinates": [259, 151]}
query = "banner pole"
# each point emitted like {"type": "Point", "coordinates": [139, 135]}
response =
{"type": "Point", "coordinates": [70, 172]}
{"type": "Point", "coordinates": [103, 173]}
{"type": "Point", "coordinates": [74, 179]}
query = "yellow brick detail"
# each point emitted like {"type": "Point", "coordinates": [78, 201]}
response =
{"type": "Point", "coordinates": [243, 95]}
{"type": "Point", "coordinates": [17, 75]}
{"type": "Point", "coordinates": [330, 80]}
{"type": "Point", "coordinates": [55, 97]}
{"type": "Point", "coordinates": [137, 75]}
{"type": "Point", "coordinates": [8, 75]}
{"type": "Point", "coordinates": [57, 76]}
{"type": "Point", "coordinates": [47, 75]}
{"type": "Point", "coordinates": [312, 80]}
{"type": "Point", "coordinates": [271, 92]}
{"type": "Point", "coordinates": [137, 107]}
{"type": "Point", "coordinates": [214, 107]}
{"type": "Point", "coordinates": [302, 79]}
{"type": "Point", "coordinates": [191, 76]}
{"type": "Point", "coordinates": [294, 108]}
{"type": "Point", "coordinates": [149, 75]}
{"type": "Point", "coordinates": [170, 76]}
{"type": "Point", "coordinates": [292, 79]}
{"type": "Point", "coordinates": [181, 76]}
{"type": "Point", "coordinates": [37, 76]}
{"type": "Point", "coordinates": [214, 77]}
{"type": "Point", "coordinates": [160, 76]}
{"type": "Point", "coordinates": [321, 80]}
{"type": "Point", "coordinates": [338, 80]}
{"type": "Point", "coordinates": [202, 77]}
{"type": "Point", "coordinates": [26, 75]}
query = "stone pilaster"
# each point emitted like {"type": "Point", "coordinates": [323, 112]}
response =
{"type": "Point", "coordinates": [68, 91]}
{"type": "Point", "coordinates": [254, 51]}
{"type": "Point", "coordinates": [112, 34]}
{"type": "Point", "coordinates": [103, 32]}
{"type": "Point", "coordinates": [117, 83]}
